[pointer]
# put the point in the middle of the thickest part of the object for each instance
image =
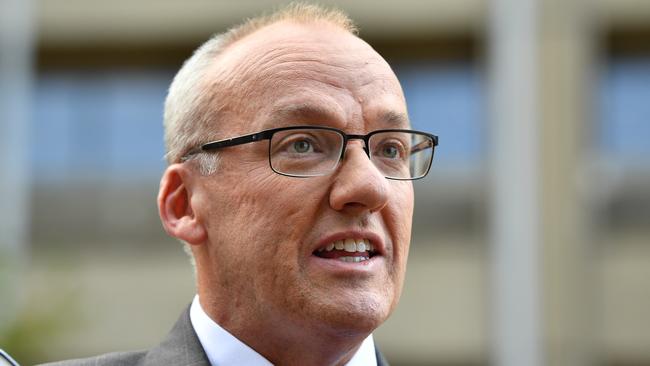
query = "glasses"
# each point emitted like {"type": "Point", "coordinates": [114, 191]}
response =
{"type": "Point", "coordinates": [311, 151]}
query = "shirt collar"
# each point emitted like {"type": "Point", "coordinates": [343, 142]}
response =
{"type": "Point", "coordinates": [222, 348]}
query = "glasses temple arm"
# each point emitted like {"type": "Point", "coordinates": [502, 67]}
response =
{"type": "Point", "coordinates": [422, 146]}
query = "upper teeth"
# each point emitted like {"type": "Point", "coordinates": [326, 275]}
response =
{"type": "Point", "coordinates": [349, 245]}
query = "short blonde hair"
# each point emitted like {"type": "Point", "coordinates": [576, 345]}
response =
{"type": "Point", "coordinates": [187, 106]}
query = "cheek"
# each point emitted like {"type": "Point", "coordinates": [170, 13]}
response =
{"type": "Point", "coordinates": [400, 218]}
{"type": "Point", "coordinates": [268, 214]}
{"type": "Point", "coordinates": [273, 223]}
{"type": "Point", "coordinates": [401, 215]}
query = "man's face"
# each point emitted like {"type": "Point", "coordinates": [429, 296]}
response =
{"type": "Point", "coordinates": [262, 267]}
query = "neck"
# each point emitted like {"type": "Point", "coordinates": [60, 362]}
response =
{"type": "Point", "coordinates": [303, 349]}
{"type": "Point", "coordinates": [283, 343]}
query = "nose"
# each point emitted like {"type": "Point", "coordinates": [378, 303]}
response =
{"type": "Point", "coordinates": [358, 185]}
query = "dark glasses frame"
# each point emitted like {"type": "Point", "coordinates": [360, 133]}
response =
{"type": "Point", "coordinates": [268, 134]}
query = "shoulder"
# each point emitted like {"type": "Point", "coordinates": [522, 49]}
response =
{"type": "Point", "coordinates": [181, 347]}
{"type": "Point", "coordinates": [110, 359]}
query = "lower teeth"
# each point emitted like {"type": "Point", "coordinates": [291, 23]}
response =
{"type": "Point", "coordinates": [353, 259]}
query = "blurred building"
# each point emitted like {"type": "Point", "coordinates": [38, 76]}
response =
{"type": "Point", "coordinates": [100, 260]}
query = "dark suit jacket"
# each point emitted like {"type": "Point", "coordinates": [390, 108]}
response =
{"type": "Point", "coordinates": [181, 348]}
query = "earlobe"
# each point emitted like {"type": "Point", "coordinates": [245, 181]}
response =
{"type": "Point", "coordinates": [175, 207]}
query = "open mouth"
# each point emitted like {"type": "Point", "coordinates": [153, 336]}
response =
{"type": "Point", "coordinates": [347, 250]}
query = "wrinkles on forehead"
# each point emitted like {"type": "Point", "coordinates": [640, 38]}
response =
{"type": "Point", "coordinates": [293, 66]}
{"type": "Point", "coordinates": [312, 113]}
{"type": "Point", "coordinates": [251, 74]}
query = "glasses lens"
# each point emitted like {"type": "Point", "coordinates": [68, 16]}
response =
{"type": "Point", "coordinates": [305, 152]}
{"type": "Point", "coordinates": [401, 155]}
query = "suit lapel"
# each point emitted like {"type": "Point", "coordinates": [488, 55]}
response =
{"type": "Point", "coordinates": [381, 361]}
{"type": "Point", "coordinates": [181, 347]}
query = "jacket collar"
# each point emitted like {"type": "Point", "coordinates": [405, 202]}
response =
{"type": "Point", "coordinates": [180, 348]}
{"type": "Point", "coordinates": [183, 348]}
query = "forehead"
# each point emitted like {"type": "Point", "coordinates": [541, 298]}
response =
{"type": "Point", "coordinates": [317, 68]}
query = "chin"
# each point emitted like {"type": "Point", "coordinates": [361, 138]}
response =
{"type": "Point", "coordinates": [360, 315]}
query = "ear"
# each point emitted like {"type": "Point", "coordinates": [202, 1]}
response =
{"type": "Point", "coordinates": [175, 207]}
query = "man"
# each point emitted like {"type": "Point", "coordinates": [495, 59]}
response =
{"type": "Point", "coordinates": [298, 217]}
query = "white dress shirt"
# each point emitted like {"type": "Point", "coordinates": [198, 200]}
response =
{"type": "Point", "coordinates": [224, 349]}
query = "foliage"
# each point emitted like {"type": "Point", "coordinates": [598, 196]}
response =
{"type": "Point", "coordinates": [29, 338]}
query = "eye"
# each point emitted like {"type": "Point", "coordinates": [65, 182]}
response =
{"type": "Point", "coordinates": [389, 151]}
{"type": "Point", "coordinates": [301, 146]}
{"type": "Point", "coordinates": [303, 143]}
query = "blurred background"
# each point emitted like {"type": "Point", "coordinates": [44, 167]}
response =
{"type": "Point", "coordinates": [83, 256]}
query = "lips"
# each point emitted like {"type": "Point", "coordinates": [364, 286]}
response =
{"type": "Point", "coordinates": [350, 250]}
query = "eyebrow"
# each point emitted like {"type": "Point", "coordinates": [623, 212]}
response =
{"type": "Point", "coordinates": [313, 113]}
{"type": "Point", "coordinates": [307, 113]}
{"type": "Point", "coordinates": [395, 119]}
